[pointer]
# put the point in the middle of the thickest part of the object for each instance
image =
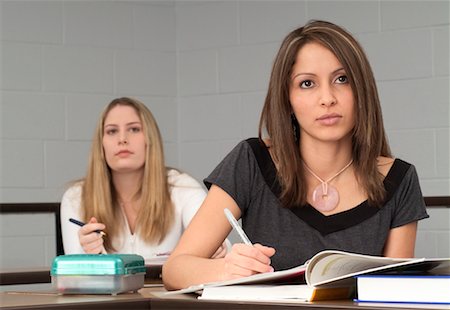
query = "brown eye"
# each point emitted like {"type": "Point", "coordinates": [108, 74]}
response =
{"type": "Point", "coordinates": [306, 84]}
{"type": "Point", "coordinates": [135, 129]}
{"type": "Point", "coordinates": [111, 132]}
{"type": "Point", "coordinates": [342, 79]}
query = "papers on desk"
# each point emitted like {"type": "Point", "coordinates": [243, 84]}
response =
{"type": "Point", "coordinates": [274, 292]}
{"type": "Point", "coordinates": [157, 260]}
{"type": "Point", "coordinates": [260, 278]}
{"type": "Point", "coordinates": [258, 292]}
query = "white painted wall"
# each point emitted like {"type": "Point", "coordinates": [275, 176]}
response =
{"type": "Point", "coordinates": [202, 67]}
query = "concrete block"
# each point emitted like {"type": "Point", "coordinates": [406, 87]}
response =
{"type": "Point", "coordinates": [78, 69]}
{"type": "Point", "coordinates": [145, 73]}
{"type": "Point", "coordinates": [21, 66]}
{"type": "Point", "coordinates": [98, 23]}
{"type": "Point", "coordinates": [246, 68]}
{"type": "Point", "coordinates": [210, 118]}
{"type": "Point", "coordinates": [32, 21]}
{"type": "Point", "coordinates": [269, 21]}
{"type": "Point", "coordinates": [33, 116]}
{"type": "Point", "coordinates": [197, 72]}
{"type": "Point", "coordinates": [206, 24]}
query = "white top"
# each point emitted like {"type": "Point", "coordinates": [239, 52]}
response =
{"type": "Point", "coordinates": [186, 193]}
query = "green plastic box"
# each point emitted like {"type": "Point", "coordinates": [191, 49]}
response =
{"type": "Point", "coordinates": [98, 273]}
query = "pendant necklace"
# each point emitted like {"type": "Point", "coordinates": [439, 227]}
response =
{"type": "Point", "coordinates": [325, 197]}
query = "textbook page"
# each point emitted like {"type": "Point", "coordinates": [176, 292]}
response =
{"type": "Point", "coordinates": [258, 292]}
{"type": "Point", "coordinates": [276, 292]}
{"type": "Point", "coordinates": [331, 265]}
{"type": "Point", "coordinates": [267, 277]}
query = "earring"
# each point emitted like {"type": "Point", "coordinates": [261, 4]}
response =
{"type": "Point", "coordinates": [295, 128]}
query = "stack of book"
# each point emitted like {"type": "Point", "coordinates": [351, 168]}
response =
{"type": "Point", "coordinates": [404, 288]}
{"type": "Point", "coordinates": [329, 275]}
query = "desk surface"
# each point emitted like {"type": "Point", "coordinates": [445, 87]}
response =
{"type": "Point", "coordinates": [154, 298]}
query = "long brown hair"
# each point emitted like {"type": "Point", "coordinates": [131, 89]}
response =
{"type": "Point", "coordinates": [368, 138]}
{"type": "Point", "coordinates": [99, 198]}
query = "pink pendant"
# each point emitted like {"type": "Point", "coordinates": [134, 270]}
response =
{"type": "Point", "coordinates": [325, 197]}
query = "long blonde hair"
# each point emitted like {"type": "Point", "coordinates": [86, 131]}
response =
{"type": "Point", "coordinates": [368, 138]}
{"type": "Point", "coordinates": [99, 197]}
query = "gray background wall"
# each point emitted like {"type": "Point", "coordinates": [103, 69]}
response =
{"type": "Point", "coordinates": [202, 67]}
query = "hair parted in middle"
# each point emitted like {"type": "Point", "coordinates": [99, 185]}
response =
{"type": "Point", "coordinates": [99, 198]}
{"type": "Point", "coordinates": [368, 137]}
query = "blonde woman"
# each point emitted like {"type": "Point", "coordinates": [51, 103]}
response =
{"type": "Point", "coordinates": [321, 177]}
{"type": "Point", "coordinates": [128, 193]}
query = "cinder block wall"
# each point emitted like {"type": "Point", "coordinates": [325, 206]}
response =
{"type": "Point", "coordinates": [62, 62]}
{"type": "Point", "coordinates": [202, 67]}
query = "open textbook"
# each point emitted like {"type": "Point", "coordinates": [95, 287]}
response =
{"type": "Point", "coordinates": [329, 274]}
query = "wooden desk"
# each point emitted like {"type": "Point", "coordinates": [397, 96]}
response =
{"type": "Point", "coordinates": [36, 300]}
{"type": "Point", "coordinates": [153, 298]}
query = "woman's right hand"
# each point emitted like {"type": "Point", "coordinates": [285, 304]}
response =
{"type": "Point", "coordinates": [90, 240]}
{"type": "Point", "coordinates": [246, 260]}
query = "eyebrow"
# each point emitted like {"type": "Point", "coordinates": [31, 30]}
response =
{"type": "Point", "coordinates": [127, 124]}
{"type": "Point", "coordinates": [307, 73]}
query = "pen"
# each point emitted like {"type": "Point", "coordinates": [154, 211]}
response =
{"type": "Point", "coordinates": [79, 223]}
{"type": "Point", "coordinates": [236, 226]}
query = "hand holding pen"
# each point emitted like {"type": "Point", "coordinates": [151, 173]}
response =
{"type": "Point", "coordinates": [81, 224]}
{"type": "Point", "coordinates": [91, 236]}
{"type": "Point", "coordinates": [246, 259]}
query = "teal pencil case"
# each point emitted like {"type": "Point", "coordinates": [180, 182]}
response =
{"type": "Point", "coordinates": [97, 273]}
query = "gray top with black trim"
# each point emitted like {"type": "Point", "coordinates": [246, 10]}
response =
{"type": "Point", "coordinates": [248, 175]}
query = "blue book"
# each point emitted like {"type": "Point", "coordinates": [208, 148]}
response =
{"type": "Point", "coordinates": [404, 288]}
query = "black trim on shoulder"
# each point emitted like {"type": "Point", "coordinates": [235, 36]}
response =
{"type": "Point", "coordinates": [335, 222]}
{"type": "Point", "coordinates": [395, 177]}
{"type": "Point", "coordinates": [265, 164]}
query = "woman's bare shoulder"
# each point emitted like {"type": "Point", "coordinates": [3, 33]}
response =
{"type": "Point", "coordinates": [384, 164]}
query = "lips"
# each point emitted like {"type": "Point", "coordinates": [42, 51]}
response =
{"type": "Point", "coordinates": [329, 119]}
{"type": "Point", "coordinates": [124, 153]}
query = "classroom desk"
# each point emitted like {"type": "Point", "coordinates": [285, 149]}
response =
{"type": "Point", "coordinates": [44, 300]}
{"type": "Point", "coordinates": [153, 298]}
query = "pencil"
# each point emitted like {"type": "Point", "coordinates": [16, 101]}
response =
{"type": "Point", "coordinates": [79, 223]}
{"type": "Point", "coordinates": [236, 226]}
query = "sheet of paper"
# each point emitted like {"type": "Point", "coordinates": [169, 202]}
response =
{"type": "Point", "coordinates": [258, 292]}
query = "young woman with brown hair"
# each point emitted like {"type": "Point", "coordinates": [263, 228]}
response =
{"type": "Point", "coordinates": [320, 175]}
